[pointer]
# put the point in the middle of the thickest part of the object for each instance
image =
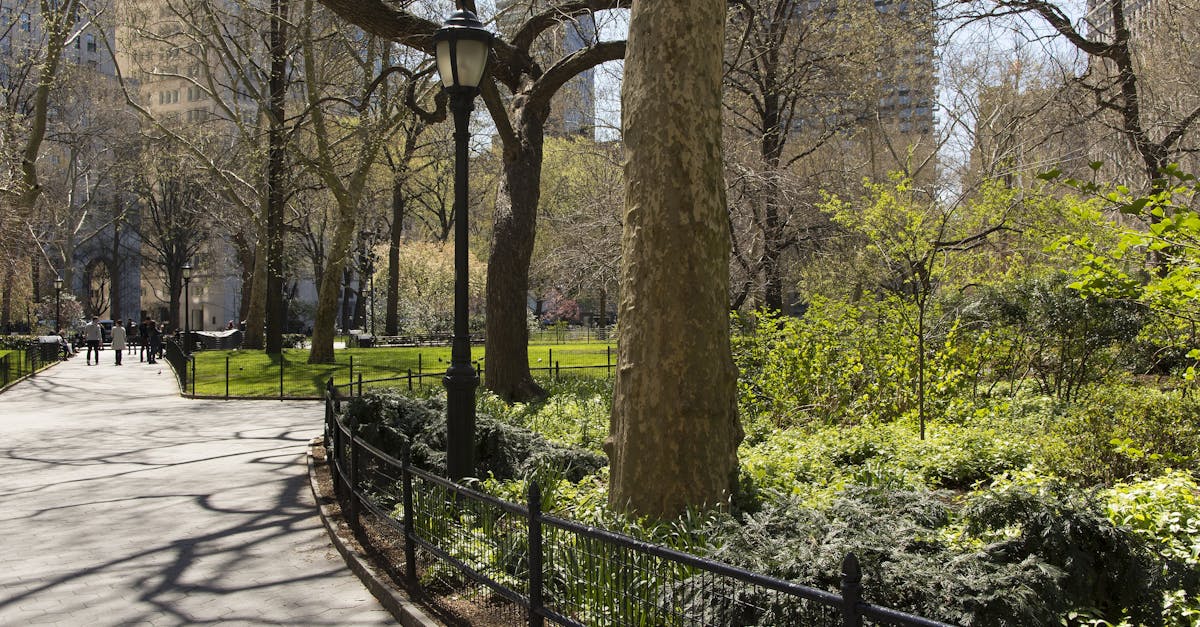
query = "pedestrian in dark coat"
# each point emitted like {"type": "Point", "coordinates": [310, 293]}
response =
{"type": "Point", "coordinates": [143, 339]}
{"type": "Point", "coordinates": [131, 334]}
{"type": "Point", "coordinates": [155, 343]}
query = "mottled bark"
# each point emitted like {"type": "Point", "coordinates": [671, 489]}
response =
{"type": "Point", "coordinates": [327, 298]}
{"type": "Point", "coordinates": [507, 371]}
{"type": "Point", "coordinates": [674, 431]}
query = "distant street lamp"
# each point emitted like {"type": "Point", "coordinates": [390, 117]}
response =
{"type": "Point", "coordinates": [462, 47]}
{"type": "Point", "coordinates": [58, 282]}
{"type": "Point", "coordinates": [187, 305]}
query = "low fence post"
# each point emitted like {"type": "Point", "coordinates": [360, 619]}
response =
{"type": "Point", "coordinates": [360, 384]}
{"type": "Point", "coordinates": [227, 377]}
{"type": "Point", "coordinates": [556, 372]}
{"type": "Point", "coordinates": [419, 370]}
{"type": "Point", "coordinates": [351, 381]}
{"type": "Point", "coordinates": [352, 493]}
{"type": "Point", "coordinates": [410, 379]}
{"type": "Point", "coordinates": [410, 547]}
{"type": "Point", "coordinates": [851, 591]}
{"type": "Point", "coordinates": [535, 555]}
{"type": "Point", "coordinates": [608, 359]}
{"type": "Point", "coordinates": [281, 375]}
{"type": "Point", "coordinates": [328, 415]}
{"type": "Point", "coordinates": [192, 358]}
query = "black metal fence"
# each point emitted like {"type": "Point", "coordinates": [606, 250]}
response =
{"type": "Point", "coordinates": [22, 360]}
{"type": "Point", "coordinates": [416, 380]}
{"type": "Point", "coordinates": [183, 364]}
{"type": "Point", "coordinates": [563, 572]}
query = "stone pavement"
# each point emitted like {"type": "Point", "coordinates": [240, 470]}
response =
{"type": "Point", "coordinates": [122, 503]}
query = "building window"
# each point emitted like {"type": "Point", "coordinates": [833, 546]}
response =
{"type": "Point", "coordinates": [91, 43]}
{"type": "Point", "coordinates": [24, 26]}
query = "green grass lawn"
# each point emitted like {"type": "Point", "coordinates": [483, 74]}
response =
{"type": "Point", "coordinates": [256, 374]}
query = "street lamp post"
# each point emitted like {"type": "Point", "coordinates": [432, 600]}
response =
{"type": "Point", "coordinates": [58, 283]}
{"type": "Point", "coordinates": [187, 305]}
{"type": "Point", "coordinates": [462, 47]}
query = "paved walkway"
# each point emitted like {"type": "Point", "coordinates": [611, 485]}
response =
{"type": "Point", "coordinates": [122, 503]}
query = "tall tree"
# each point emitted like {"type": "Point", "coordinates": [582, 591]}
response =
{"type": "Point", "coordinates": [1117, 71]}
{"type": "Point", "coordinates": [675, 431]}
{"type": "Point", "coordinates": [520, 119]}
{"type": "Point", "coordinates": [348, 142]}
{"type": "Point", "coordinates": [27, 78]}
{"type": "Point", "coordinates": [173, 222]}
{"type": "Point", "coordinates": [220, 54]}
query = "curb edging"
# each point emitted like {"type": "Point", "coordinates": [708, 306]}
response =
{"type": "Point", "coordinates": [399, 605]}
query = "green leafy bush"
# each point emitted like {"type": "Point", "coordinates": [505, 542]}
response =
{"type": "Point", "coordinates": [957, 456]}
{"type": "Point", "coordinates": [897, 536]}
{"type": "Point", "coordinates": [1066, 341]}
{"type": "Point", "coordinates": [388, 419]}
{"type": "Point", "coordinates": [1123, 431]}
{"type": "Point", "coordinates": [1107, 572]}
{"type": "Point", "coordinates": [575, 413]}
{"type": "Point", "coordinates": [1165, 513]}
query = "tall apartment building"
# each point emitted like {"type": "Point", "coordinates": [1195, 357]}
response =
{"type": "Point", "coordinates": [177, 81]}
{"type": "Point", "coordinates": [908, 82]}
{"type": "Point", "coordinates": [104, 273]}
{"type": "Point", "coordinates": [1099, 20]}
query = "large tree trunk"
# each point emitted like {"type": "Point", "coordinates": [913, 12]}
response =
{"type": "Point", "coordinates": [675, 432]}
{"type": "Point", "coordinates": [6, 297]}
{"type": "Point", "coordinates": [325, 325]}
{"type": "Point", "coordinates": [507, 371]}
{"type": "Point", "coordinates": [256, 311]}
{"type": "Point", "coordinates": [245, 256]}
{"type": "Point", "coordinates": [275, 177]}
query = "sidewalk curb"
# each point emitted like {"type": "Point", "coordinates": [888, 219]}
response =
{"type": "Point", "coordinates": [402, 608]}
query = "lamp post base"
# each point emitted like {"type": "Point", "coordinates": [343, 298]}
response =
{"type": "Point", "coordinates": [460, 383]}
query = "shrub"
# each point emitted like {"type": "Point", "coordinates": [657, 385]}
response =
{"type": "Point", "coordinates": [1124, 431]}
{"type": "Point", "coordinates": [1165, 513]}
{"type": "Point", "coordinates": [1107, 571]}
{"type": "Point", "coordinates": [388, 419]}
{"type": "Point", "coordinates": [575, 413]}
{"type": "Point", "coordinates": [896, 536]}
{"type": "Point", "coordinates": [1065, 340]}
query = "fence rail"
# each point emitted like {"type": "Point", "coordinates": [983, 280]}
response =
{"type": "Point", "coordinates": [561, 571]}
{"type": "Point", "coordinates": [23, 360]}
{"type": "Point", "coordinates": [412, 380]}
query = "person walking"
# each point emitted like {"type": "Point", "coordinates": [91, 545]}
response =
{"type": "Point", "coordinates": [143, 339]}
{"type": "Point", "coordinates": [131, 333]}
{"type": "Point", "coordinates": [155, 342]}
{"type": "Point", "coordinates": [92, 335]}
{"type": "Point", "coordinates": [118, 340]}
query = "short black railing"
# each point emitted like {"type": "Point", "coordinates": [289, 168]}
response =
{"type": "Point", "coordinates": [564, 572]}
{"type": "Point", "coordinates": [21, 361]}
{"type": "Point", "coordinates": [183, 364]}
{"type": "Point", "coordinates": [416, 380]}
